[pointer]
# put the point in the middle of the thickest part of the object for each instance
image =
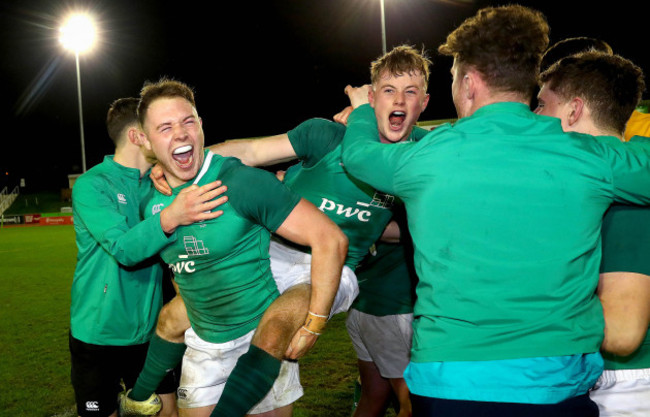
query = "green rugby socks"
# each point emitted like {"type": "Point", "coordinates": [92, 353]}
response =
{"type": "Point", "coordinates": [250, 380]}
{"type": "Point", "coordinates": [162, 356]}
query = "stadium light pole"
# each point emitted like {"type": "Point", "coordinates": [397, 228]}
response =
{"type": "Point", "coordinates": [383, 27]}
{"type": "Point", "coordinates": [78, 36]}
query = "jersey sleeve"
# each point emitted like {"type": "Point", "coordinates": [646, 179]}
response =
{"type": "Point", "coordinates": [257, 194]}
{"type": "Point", "coordinates": [365, 158]}
{"type": "Point", "coordinates": [626, 240]}
{"type": "Point", "coordinates": [630, 169]}
{"type": "Point", "coordinates": [128, 243]}
{"type": "Point", "coordinates": [419, 133]}
{"type": "Point", "coordinates": [315, 138]}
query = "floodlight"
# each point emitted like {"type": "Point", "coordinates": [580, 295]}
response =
{"type": "Point", "coordinates": [78, 35]}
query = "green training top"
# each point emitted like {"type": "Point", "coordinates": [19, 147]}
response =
{"type": "Point", "coordinates": [505, 211]}
{"type": "Point", "coordinates": [222, 266]}
{"type": "Point", "coordinates": [116, 296]}
{"type": "Point", "coordinates": [626, 248]}
{"type": "Point", "coordinates": [361, 212]}
{"type": "Point", "coordinates": [387, 277]}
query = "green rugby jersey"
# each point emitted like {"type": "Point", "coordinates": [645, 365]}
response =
{"type": "Point", "coordinates": [626, 248]}
{"type": "Point", "coordinates": [386, 286]}
{"type": "Point", "coordinates": [117, 288]}
{"type": "Point", "coordinates": [357, 208]}
{"type": "Point", "coordinates": [505, 211]}
{"type": "Point", "coordinates": [222, 266]}
{"type": "Point", "coordinates": [386, 276]}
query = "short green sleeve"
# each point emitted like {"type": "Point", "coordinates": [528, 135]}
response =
{"type": "Point", "coordinates": [315, 138]}
{"type": "Point", "coordinates": [626, 240]}
{"type": "Point", "coordinates": [257, 194]}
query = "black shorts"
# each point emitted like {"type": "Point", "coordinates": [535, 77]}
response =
{"type": "Point", "coordinates": [581, 406]}
{"type": "Point", "coordinates": [96, 372]}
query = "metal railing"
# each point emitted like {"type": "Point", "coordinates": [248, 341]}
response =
{"type": "Point", "coordinates": [7, 198]}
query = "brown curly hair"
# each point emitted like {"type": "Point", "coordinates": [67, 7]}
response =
{"type": "Point", "coordinates": [505, 44]}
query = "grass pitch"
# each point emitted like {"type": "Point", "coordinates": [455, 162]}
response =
{"type": "Point", "coordinates": [38, 267]}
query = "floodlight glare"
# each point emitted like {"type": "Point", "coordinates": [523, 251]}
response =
{"type": "Point", "coordinates": [78, 33]}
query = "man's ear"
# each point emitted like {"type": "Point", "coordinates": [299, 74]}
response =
{"type": "Point", "coordinates": [469, 84]}
{"type": "Point", "coordinates": [134, 136]}
{"type": "Point", "coordinates": [371, 96]}
{"type": "Point", "coordinates": [143, 140]}
{"type": "Point", "coordinates": [425, 102]}
{"type": "Point", "coordinates": [576, 108]}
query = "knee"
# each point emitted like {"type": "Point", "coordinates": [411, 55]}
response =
{"type": "Point", "coordinates": [170, 327]}
{"type": "Point", "coordinates": [274, 334]}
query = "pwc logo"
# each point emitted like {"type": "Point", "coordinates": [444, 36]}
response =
{"type": "Point", "coordinates": [340, 210]}
{"type": "Point", "coordinates": [193, 247]}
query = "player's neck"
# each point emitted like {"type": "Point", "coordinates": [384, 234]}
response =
{"type": "Point", "coordinates": [131, 157]}
{"type": "Point", "coordinates": [172, 180]}
{"type": "Point", "coordinates": [586, 125]}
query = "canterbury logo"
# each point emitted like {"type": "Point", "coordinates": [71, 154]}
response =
{"type": "Point", "coordinates": [157, 208]}
{"type": "Point", "coordinates": [121, 198]}
{"type": "Point", "coordinates": [92, 405]}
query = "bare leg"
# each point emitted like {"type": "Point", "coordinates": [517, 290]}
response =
{"type": "Point", "coordinates": [168, 405]}
{"type": "Point", "coordinates": [402, 393]}
{"type": "Point", "coordinates": [281, 320]}
{"type": "Point", "coordinates": [375, 391]}
{"type": "Point", "coordinates": [196, 412]}
{"type": "Point", "coordinates": [173, 321]}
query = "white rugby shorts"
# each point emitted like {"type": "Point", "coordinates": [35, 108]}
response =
{"type": "Point", "coordinates": [292, 267]}
{"type": "Point", "coordinates": [623, 392]}
{"type": "Point", "coordinates": [206, 367]}
{"type": "Point", "coordinates": [384, 340]}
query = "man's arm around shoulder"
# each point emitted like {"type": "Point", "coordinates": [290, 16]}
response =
{"type": "Point", "coordinates": [626, 305]}
{"type": "Point", "coordinates": [258, 152]}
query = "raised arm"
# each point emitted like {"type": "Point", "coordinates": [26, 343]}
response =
{"type": "Point", "coordinates": [364, 157]}
{"type": "Point", "coordinates": [252, 152]}
{"type": "Point", "coordinates": [258, 152]}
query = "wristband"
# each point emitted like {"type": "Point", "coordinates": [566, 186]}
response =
{"type": "Point", "coordinates": [309, 331]}
{"type": "Point", "coordinates": [315, 323]}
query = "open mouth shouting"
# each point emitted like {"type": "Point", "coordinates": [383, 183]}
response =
{"type": "Point", "coordinates": [183, 156]}
{"type": "Point", "coordinates": [396, 120]}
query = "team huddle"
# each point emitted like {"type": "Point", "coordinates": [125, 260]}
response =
{"type": "Point", "coordinates": [490, 267]}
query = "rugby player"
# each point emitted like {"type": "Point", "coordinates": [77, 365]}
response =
{"type": "Point", "coordinates": [222, 269]}
{"type": "Point", "coordinates": [505, 211]}
{"type": "Point", "coordinates": [360, 211]}
{"type": "Point", "coordinates": [596, 93]}
{"type": "Point", "coordinates": [117, 285]}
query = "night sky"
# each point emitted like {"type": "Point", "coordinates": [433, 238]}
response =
{"type": "Point", "coordinates": [258, 68]}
